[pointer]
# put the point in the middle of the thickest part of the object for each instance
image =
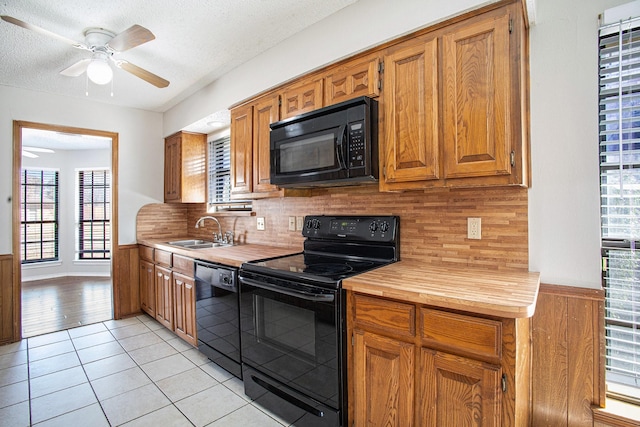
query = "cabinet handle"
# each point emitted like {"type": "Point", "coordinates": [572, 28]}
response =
{"type": "Point", "coordinates": [504, 383]}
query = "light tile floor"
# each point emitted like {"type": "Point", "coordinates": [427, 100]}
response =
{"type": "Point", "coordinates": [131, 372]}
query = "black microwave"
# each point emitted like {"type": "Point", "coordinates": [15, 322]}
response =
{"type": "Point", "coordinates": [332, 146]}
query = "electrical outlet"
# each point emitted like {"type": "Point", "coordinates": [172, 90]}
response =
{"type": "Point", "coordinates": [292, 223]}
{"type": "Point", "coordinates": [474, 228]}
{"type": "Point", "coordinates": [299, 223]}
{"type": "Point", "coordinates": [260, 223]}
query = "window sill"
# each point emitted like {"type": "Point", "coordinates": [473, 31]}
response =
{"type": "Point", "coordinates": [616, 414]}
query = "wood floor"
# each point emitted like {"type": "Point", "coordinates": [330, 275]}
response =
{"type": "Point", "coordinates": [56, 304]}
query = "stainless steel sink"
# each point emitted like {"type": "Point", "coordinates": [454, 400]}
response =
{"type": "Point", "coordinates": [196, 244]}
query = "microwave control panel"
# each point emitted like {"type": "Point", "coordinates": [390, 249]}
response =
{"type": "Point", "coordinates": [356, 145]}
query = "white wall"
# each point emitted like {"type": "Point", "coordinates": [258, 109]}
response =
{"type": "Point", "coordinates": [564, 235]}
{"type": "Point", "coordinates": [67, 163]}
{"type": "Point", "coordinates": [362, 25]}
{"type": "Point", "coordinates": [140, 156]}
{"type": "Point", "coordinates": [564, 211]}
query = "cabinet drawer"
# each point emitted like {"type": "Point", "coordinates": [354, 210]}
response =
{"type": "Point", "coordinates": [392, 317]}
{"type": "Point", "coordinates": [162, 258]}
{"type": "Point", "coordinates": [146, 253]}
{"type": "Point", "coordinates": [462, 334]}
{"type": "Point", "coordinates": [183, 265]}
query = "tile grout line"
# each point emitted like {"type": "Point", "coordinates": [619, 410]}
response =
{"type": "Point", "coordinates": [171, 403]}
{"type": "Point", "coordinates": [137, 365]}
{"type": "Point", "coordinates": [85, 371]}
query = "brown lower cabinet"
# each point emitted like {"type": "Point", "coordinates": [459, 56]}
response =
{"type": "Point", "coordinates": [416, 365]}
{"type": "Point", "coordinates": [167, 291]}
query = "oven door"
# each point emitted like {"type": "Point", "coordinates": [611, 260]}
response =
{"type": "Point", "coordinates": [299, 157]}
{"type": "Point", "coordinates": [291, 344]}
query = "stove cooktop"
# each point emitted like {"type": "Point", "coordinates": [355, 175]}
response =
{"type": "Point", "coordinates": [336, 247]}
{"type": "Point", "coordinates": [314, 267]}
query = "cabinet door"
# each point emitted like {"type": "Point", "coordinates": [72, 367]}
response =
{"type": "Point", "coordinates": [353, 79]}
{"type": "Point", "coordinates": [383, 375]}
{"type": "Point", "coordinates": [164, 298]}
{"type": "Point", "coordinates": [410, 155]}
{"type": "Point", "coordinates": [185, 306]}
{"type": "Point", "coordinates": [301, 98]}
{"type": "Point", "coordinates": [147, 288]}
{"type": "Point", "coordinates": [476, 98]}
{"type": "Point", "coordinates": [265, 111]}
{"type": "Point", "coordinates": [172, 168]}
{"type": "Point", "coordinates": [193, 176]}
{"type": "Point", "coordinates": [458, 392]}
{"type": "Point", "coordinates": [241, 150]}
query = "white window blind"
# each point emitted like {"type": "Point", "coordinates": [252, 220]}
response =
{"type": "Point", "coordinates": [220, 177]}
{"type": "Point", "coordinates": [619, 120]}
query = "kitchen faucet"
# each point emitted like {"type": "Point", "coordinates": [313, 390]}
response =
{"type": "Point", "coordinates": [216, 237]}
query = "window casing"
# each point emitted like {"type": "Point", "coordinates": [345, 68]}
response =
{"type": "Point", "coordinates": [94, 214]}
{"type": "Point", "coordinates": [39, 215]}
{"type": "Point", "coordinates": [619, 138]}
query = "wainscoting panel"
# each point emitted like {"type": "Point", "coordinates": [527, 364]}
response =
{"type": "Point", "coordinates": [6, 299]}
{"type": "Point", "coordinates": [126, 288]}
{"type": "Point", "coordinates": [568, 356]}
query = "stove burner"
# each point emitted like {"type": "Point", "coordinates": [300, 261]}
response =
{"type": "Point", "coordinates": [327, 269]}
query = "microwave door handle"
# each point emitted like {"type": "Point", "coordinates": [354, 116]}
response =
{"type": "Point", "coordinates": [293, 293]}
{"type": "Point", "coordinates": [341, 146]}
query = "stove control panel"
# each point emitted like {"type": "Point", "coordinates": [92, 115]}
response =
{"type": "Point", "coordinates": [356, 228]}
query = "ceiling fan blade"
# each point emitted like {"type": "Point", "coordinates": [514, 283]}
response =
{"type": "Point", "coordinates": [145, 75]}
{"type": "Point", "coordinates": [19, 23]}
{"type": "Point", "coordinates": [132, 37]}
{"type": "Point", "coordinates": [76, 69]}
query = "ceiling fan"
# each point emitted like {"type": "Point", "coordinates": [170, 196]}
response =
{"type": "Point", "coordinates": [103, 45]}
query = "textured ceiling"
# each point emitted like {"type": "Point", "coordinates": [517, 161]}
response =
{"type": "Point", "coordinates": [196, 42]}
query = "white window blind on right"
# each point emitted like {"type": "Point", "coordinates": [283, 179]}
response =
{"type": "Point", "coordinates": [619, 121]}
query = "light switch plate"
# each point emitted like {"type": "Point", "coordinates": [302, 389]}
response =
{"type": "Point", "coordinates": [299, 223]}
{"type": "Point", "coordinates": [292, 223]}
{"type": "Point", "coordinates": [260, 222]}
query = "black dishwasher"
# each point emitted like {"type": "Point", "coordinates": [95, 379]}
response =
{"type": "Point", "coordinates": [217, 315]}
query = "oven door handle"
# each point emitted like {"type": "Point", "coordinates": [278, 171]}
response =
{"type": "Point", "coordinates": [297, 294]}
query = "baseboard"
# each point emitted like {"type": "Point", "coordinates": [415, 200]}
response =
{"type": "Point", "coordinates": [58, 275]}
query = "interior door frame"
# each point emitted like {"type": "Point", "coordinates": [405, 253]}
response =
{"type": "Point", "coordinates": [18, 125]}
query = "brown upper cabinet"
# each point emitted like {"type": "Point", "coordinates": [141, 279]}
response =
{"type": "Point", "coordinates": [250, 149]}
{"type": "Point", "coordinates": [480, 97]}
{"type": "Point", "coordinates": [454, 105]}
{"type": "Point", "coordinates": [409, 147]}
{"type": "Point", "coordinates": [241, 150]}
{"type": "Point", "coordinates": [358, 77]}
{"type": "Point", "coordinates": [301, 97]}
{"type": "Point", "coordinates": [185, 173]}
{"type": "Point", "coordinates": [266, 110]}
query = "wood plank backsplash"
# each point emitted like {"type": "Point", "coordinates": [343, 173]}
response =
{"type": "Point", "coordinates": [433, 223]}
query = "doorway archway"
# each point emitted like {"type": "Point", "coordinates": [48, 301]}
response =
{"type": "Point", "coordinates": [18, 127]}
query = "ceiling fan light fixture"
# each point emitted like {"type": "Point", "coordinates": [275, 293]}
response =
{"type": "Point", "coordinates": [99, 71]}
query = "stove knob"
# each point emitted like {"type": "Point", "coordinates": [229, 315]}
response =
{"type": "Point", "coordinates": [373, 227]}
{"type": "Point", "coordinates": [309, 222]}
{"type": "Point", "coordinates": [316, 223]}
{"type": "Point", "coordinates": [384, 226]}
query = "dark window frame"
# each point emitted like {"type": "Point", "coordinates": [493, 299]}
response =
{"type": "Point", "coordinates": [35, 184]}
{"type": "Point", "coordinates": [94, 214]}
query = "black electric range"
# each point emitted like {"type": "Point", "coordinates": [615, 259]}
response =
{"type": "Point", "coordinates": [292, 316]}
